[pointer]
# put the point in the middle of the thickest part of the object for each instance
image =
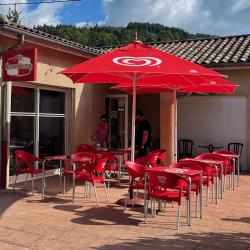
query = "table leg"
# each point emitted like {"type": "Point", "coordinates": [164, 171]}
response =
{"type": "Point", "coordinates": [43, 179]}
{"type": "Point", "coordinates": [201, 186]}
{"type": "Point", "coordinates": [216, 184]}
{"type": "Point", "coordinates": [238, 171]}
{"type": "Point", "coordinates": [119, 171]}
{"type": "Point", "coordinates": [189, 202]}
{"type": "Point", "coordinates": [145, 197]}
{"type": "Point", "coordinates": [73, 176]}
{"type": "Point", "coordinates": [233, 174]}
{"type": "Point", "coordinates": [221, 176]}
{"type": "Point", "coordinates": [60, 180]}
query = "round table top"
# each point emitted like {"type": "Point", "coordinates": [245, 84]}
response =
{"type": "Point", "coordinates": [55, 157]}
{"type": "Point", "coordinates": [231, 156]}
{"type": "Point", "coordinates": [180, 171]}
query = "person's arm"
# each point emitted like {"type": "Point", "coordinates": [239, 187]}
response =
{"type": "Point", "coordinates": [144, 137]}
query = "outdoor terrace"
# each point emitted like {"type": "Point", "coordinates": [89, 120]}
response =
{"type": "Point", "coordinates": [30, 222]}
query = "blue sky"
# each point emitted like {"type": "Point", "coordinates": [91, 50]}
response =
{"type": "Point", "coordinates": [219, 17]}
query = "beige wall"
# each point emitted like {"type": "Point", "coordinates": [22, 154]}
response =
{"type": "Point", "coordinates": [88, 100]}
{"type": "Point", "coordinates": [242, 77]}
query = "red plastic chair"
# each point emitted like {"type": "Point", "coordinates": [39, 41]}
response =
{"type": "Point", "coordinates": [207, 175]}
{"type": "Point", "coordinates": [151, 159]}
{"type": "Point", "coordinates": [25, 165]}
{"type": "Point", "coordinates": [162, 156]}
{"type": "Point", "coordinates": [113, 163]}
{"type": "Point", "coordinates": [227, 168]}
{"type": "Point", "coordinates": [91, 174]}
{"type": "Point", "coordinates": [84, 148]}
{"type": "Point", "coordinates": [136, 172]}
{"type": "Point", "coordinates": [80, 160]}
{"type": "Point", "coordinates": [195, 180]}
{"type": "Point", "coordinates": [163, 186]}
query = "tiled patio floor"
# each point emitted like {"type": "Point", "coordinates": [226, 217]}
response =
{"type": "Point", "coordinates": [55, 223]}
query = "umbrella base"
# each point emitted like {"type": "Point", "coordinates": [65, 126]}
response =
{"type": "Point", "coordinates": [131, 202]}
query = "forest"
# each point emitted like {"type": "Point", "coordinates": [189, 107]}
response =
{"type": "Point", "coordinates": [101, 36]}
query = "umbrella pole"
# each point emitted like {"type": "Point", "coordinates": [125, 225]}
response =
{"type": "Point", "coordinates": [133, 121]}
{"type": "Point", "coordinates": [175, 127]}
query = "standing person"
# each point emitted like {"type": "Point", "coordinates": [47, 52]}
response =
{"type": "Point", "coordinates": [101, 134]}
{"type": "Point", "coordinates": [143, 139]}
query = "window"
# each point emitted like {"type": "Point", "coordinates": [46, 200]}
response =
{"type": "Point", "coordinates": [37, 122]}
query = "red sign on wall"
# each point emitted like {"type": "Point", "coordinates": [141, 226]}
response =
{"type": "Point", "coordinates": [20, 65]}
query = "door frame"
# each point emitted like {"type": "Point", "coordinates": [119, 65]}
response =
{"type": "Point", "coordinates": [126, 114]}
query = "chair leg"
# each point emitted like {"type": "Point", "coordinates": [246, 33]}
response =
{"type": "Point", "coordinates": [96, 197]}
{"type": "Point", "coordinates": [73, 194]}
{"type": "Point", "coordinates": [146, 212]}
{"type": "Point", "coordinates": [90, 189]}
{"type": "Point", "coordinates": [106, 192]}
{"type": "Point", "coordinates": [14, 186]}
{"type": "Point", "coordinates": [125, 203]}
{"type": "Point", "coordinates": [109, 179]}
{"type": "Point", "coordinates": [25, 183]}
{"type": "Point", "coordinates": [207, 196]}
{"type": "Point", "coordinates": [32, 183]}
{"type": "Point", "coordinates": [212, 193]}
{"type": "Point", "coordinates": [64, 184]}
{"type": "Point", "coordinates": [196, 205]}
{"type": "Point", "coordinates": [178, 217]}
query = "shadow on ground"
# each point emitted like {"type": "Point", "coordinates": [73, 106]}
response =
{"type": "Point", "coordinates": [8, 198]}
{"type": "Point", "coordinates": [242, 219]}
{"type": "Point", "coordinates": [201, 241]}
{"type": "Point", "coordinates": [110, 215]}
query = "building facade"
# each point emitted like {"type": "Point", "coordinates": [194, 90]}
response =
{"type": "Point", "coordinates": [51, 115]}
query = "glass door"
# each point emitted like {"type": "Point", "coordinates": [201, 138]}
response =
{"type": "Point", "coordinates": [117, 111]}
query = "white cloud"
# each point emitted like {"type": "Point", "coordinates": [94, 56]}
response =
{"type": "Point", "coordinates": [41, 14]}
{"type": "Point", "coordinates": [198, 16]}
{"type": "Point", "coordinates": [89, 24]}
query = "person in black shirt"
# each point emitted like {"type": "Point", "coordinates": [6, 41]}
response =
{"type": "Point", "coordinates": [143, 139]}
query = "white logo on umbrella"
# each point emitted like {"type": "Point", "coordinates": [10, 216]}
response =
{"type": "Point", "coordinates": [137, 61]}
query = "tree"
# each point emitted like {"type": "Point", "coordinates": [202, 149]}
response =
{"type": "Point", "coordinates": [14, 15]}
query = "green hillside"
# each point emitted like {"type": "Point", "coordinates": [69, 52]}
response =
{"type": "Point", "coordinates": [99, 36]}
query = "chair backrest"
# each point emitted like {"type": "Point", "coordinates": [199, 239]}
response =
{"type": "Point", "coordinates": [84, 148]}
{"type": "Point", "coordinates": [206, 168]}
{"type": "Point", "coordinates": [161, 180]}
{"type": "Point", "coordinates": [84, 160]}
{"type": "Point", "coordinates": [223, 152]}
{"type": "Point", "coordinates": [188, 165]}
{"type": "Point", "coordinates": [102, 154]}
{"type": "Point", "coordinates": [153, 157]}
{"type": "Point", "coordinates": [235, 147]}
{"type": "Point", "coordinates": [185, 147]}
{"type": "Point", "coordinates": [161, 155]}
{"type": "Point", "coordinates": [25, 159]}
{"type": "Point", "coordinates": [213, 156]}
{"type": "Point", "coordinates": [135, 170]}
{"type": "Point", "coordinates": [100, 166]}
{"type": "Point", "coordinates": [210, 156]}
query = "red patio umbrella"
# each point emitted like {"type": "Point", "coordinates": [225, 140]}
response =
{"type": "Point", "coordinates": [217, 86]}
{"type": "Point", "coordinates": [137, 64]}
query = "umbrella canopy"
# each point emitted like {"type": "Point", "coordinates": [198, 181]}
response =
{"type": "Point", "coordinates": [218, 86]}
{"type": "Point", "coordinates": [141, 64]}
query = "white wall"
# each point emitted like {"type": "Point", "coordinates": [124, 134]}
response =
{"type": "Point", "coordinates": [213, 120]}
